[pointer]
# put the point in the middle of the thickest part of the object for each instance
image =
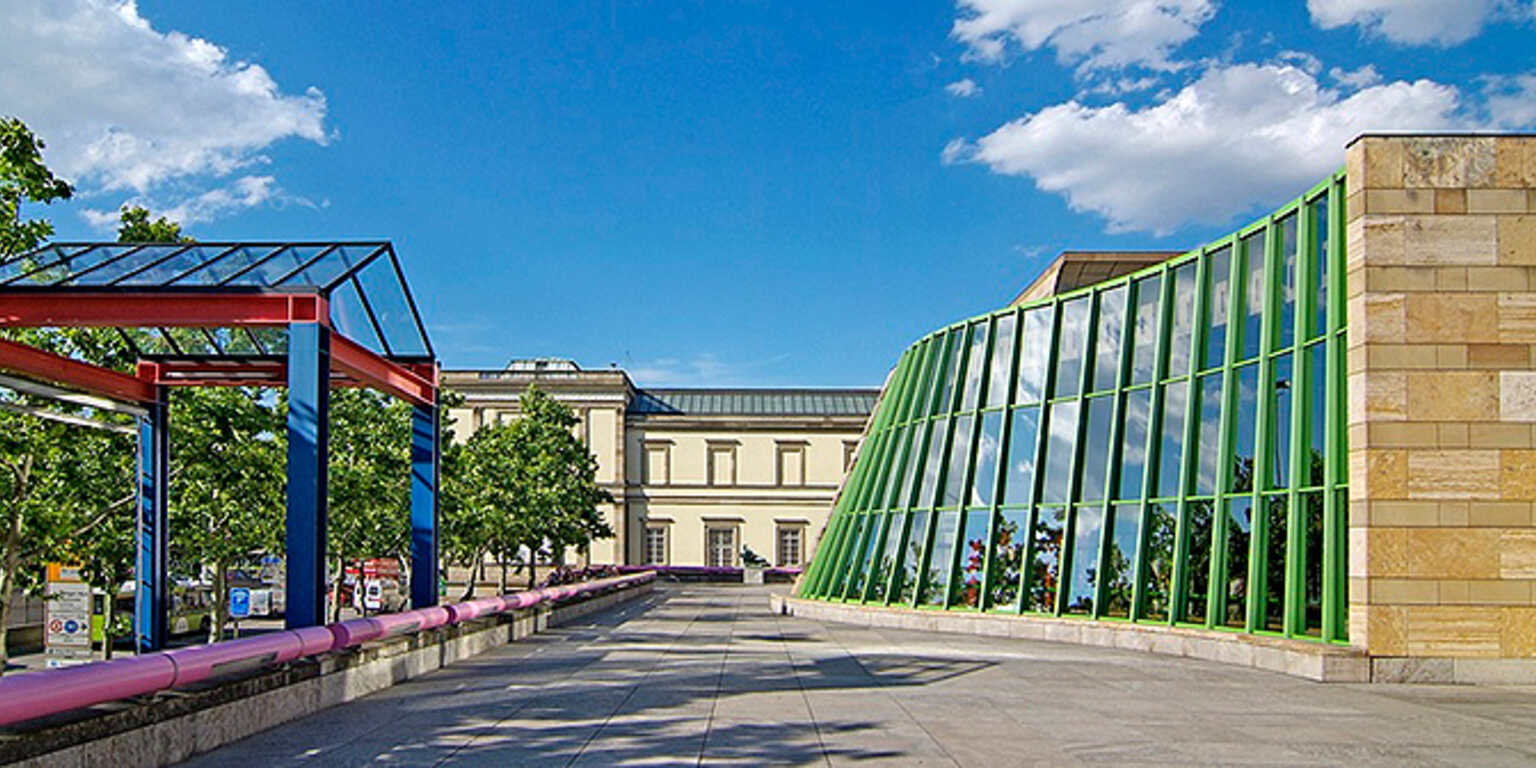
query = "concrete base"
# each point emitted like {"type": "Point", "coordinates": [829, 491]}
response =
{"type": "Point", "coordinates": [172, 726]}
{"type": "Point", "coordinates": [1313, 661]}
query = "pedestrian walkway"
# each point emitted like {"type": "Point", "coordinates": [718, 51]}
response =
{"type": "Point", "coordinates": [700, 674]}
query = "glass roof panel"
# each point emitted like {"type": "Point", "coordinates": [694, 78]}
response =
{"type": "Point", "coordinates": [23, 262]}
{"type": "Point", "coordinates": [169, 267]}
{"type": "Point", "coordinates": [221, 268]}
{"type": "Point", "coordinates": [351, 318]}
{"type": "Point", "coordinates": [392, 308]}
{"type": "Point", "coordinates": [331, 266]}
{"type": "Point", "coordinates": [272, 271]}
{"type": "Point", "coordinates": [127, 263]}
{"type": "Point", "coordinates": [50, 272]}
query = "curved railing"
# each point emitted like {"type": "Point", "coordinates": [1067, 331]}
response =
{"type": "Point", "coordinates": [35, 694]}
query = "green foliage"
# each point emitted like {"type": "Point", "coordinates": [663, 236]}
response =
{"type": "Point", "coordinates": [136, 227]}
{"type": "Point", "coordinates": [369, 485]}
{"type": "Point", "coordinates": [24, 179]}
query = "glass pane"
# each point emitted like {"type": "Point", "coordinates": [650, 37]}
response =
{"type": "Point", "coordinates": [1317, 421]}
{"type": "Point", "coordinates": [1034, 356]}
{"type": "Point", "coordinates": [1022, 440]}
{"type": "Point", "coordinates": [387, 297]}
{"type": "Point", "coordinates": [1133, 444]}
{"type": "Point", "coordinates": [1045, 559]}
{"type": "Point", "coordinates": [1058, 452]}
{"type": "Point", "coordinates": [351, 317]}
{"type": "Point", "coordinates": [866, 553]}
{"type": "Point", "coordinates": [914, 465]}
{"type": "Point", "coordinates": [1002, 361]}
{"type": "Point", "coordinates": [1207, 447]}
{"type": "Point", "coordinates": [129, 261]}
{"type": "Point", "coordinates": [975, 367]}
{"type": "Point", "coordinates": [1319, 217]}
{"type": "Point", "coordinates": [230, 264]}
{"type": "Point", "coordinates": [1008, 557]}
{"type": "Point", "coordinates": [17, 264]}
{"type": "Point", "coordinates": [935, 588]}
{"type": "Point", "coordinates": [1144, 334]}
{"type": "Point", "coordinates": [931, 466]}
{"type": "Point", "coordinates": [917, 391]}
{"type": "Point", "coordinates": [944, 384]}
{"type": "Point", "coordinates": [989, 449]}
{"type": "Point", "coordinates": [74, 262]}
{"type": "Point", "coordinates": [1245, 420]}
{"type": "Point", "coordinates": [888, 554]}
{"type": "Point", "coordinates": [1120, 560]}
{"type": "Point", "coordinates": [1095, 458]}
{"type": "Point", "coordinates": [1087, 529]}
{"type": "Point", "coordinates": [1170, 454]}
{"type": "Point", "coordinates": [160, 273]}
{"type": "Point", "coordinates": [1275, 540]}
{"type": "Point", "coordinates": [1070, 347]}
{"type": "Point", "coordinates": [1280, 427]}
{"type": "Point", "coordinates": [1239, 530]}
{"type": "Point", "coordinates": [1285, 317]}
{"type": "Point", "coordinates": [1253, 292]}
{"type": "Point", "coordinates": [959, 462]}
{"type": "Point", "coordinates": [912, 557]}
{"type": "Point", "coordinates": [270, 271]}
{"type": "Point", "coordinates": [324, 272]}
{"type": "Point", "coordinates": [1106, 353]}
{"type": "Point", "coordinates": [1157, 591]}
{"type": "Point", "coordinates": [1218, 297]}
{"type": "Point", "coordinates": [1197, 571]}
{"type": "Point", "coordinates": [1312, 511]}
{"type": "Point", "coordinates": [1183, 318]}
{"type": "Point", "coordinates": [973, 558]}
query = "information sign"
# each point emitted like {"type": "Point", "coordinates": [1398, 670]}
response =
{"type": "Point", "coordinates": [66, 617]}
{"type": "Point", "coordinates": [239, 603]}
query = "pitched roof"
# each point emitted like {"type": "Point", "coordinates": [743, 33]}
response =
{"type": "Point", "coordinates": [755, 402]}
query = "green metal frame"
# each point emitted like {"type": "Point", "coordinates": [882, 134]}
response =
{"type": "Point", "coordinates": [901, 436]}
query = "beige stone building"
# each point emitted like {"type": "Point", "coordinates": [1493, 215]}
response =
{"type": "Point", "coordinates": [695, 473]}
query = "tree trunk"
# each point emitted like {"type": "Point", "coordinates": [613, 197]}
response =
{"type": "Point", "coordinates": [469, 591]}
{"type": "Point", "coordinates": [503, 575]}
{"type": "Point", "coordinates": [220, 602]}
{"type": "Point", "coordinates": [10, 562]}
{"type": "Point", "coordinates": [341, 577]}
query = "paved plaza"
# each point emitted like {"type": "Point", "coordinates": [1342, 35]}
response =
{"type": "Point", "coordinates": [707, 675]}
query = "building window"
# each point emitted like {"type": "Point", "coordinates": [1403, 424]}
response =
{"type": "Point", "coordinates": [658, 464]}
{"type": "Point", "coordinates": [720, 547]}
{"type": "Point", "coordinates": [656, 545]}
{"type": "Point", "coordinates": [791, 463]}
{"type": "Point", "coordinates": [790, 544]}
{"type": "Point", "coordinates": [722, 464]}
{"type": "Point", "coordinates": [850, 448]}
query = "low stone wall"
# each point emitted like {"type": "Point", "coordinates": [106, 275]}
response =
{"type": "Point", "coordinates": [171, 726]}
{"type": "Point", "coordinates": [1300, 658]}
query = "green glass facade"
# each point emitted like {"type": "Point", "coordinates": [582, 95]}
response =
{"type": "Point", "coordinates": [1164, 447]}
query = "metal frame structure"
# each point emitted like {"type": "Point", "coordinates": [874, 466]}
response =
{"type": "Point", "coordinates": [1137, 450]}
{"type": "Point", "coordinates": [303, 315]}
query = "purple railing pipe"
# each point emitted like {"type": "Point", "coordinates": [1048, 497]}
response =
{"type": "Point", "coordinates": [46, 691]}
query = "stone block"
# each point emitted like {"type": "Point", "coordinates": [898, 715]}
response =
{"type": "Point", "coordinates": [1459, 318]}
{"type": "Point", "coordinates": [1515, 162]}
{"type": "Point", "coordinates": [1393, 201]}
{"type": "Point", "coordinates": [1401, 356]}
{"type": "Point", "coordinates": [1453, 514]}
{"type": "Point", "coordinates": [1520, 671]}
{"type": "Point", "coordinates": [1404, 592]}
{"type": "Point", "coordinates": [1386, 396]}
{"type": "Point", "coordinates": [1451, 355]}
{"type": "Point", "coordinates": [1517, 475]}
{"type": "Point", "coordinates": [1379, 161]}
{"type": "Point", "coordinates": [1386, 474]}
{"type": "Point", "coordinates": [1450, 474]}
{"type": "Point", "coordinates": [1451, 279]}
{"type": "Point", "coordinates": [1386, 552]}
{"type": "Point", "coordinates": [1453, 396]}
{"type": "Point", "coordinates": [1384, 318]}
{"type": "Point", "coordinates": [1516, 318]}
{"type": "Point", "coordinates": [1381, 241]}
{"type": "Point", "coordinates": [1499, 514]}
{"type": "Point", "coordinates": [1399, 434]}
{"type": "Point", "coordinates": [1450, 201]}
{"type": "Point", "coordinates": [1517, 631]}
{"type": "Point", "coordinates": [1494, 279]}
{"type": "Point", "coordinates": [1404, 514]}
{"type": "Point", "coordinates": [1386, 629]}
{"type": "Point", "coordinates": [1410, 670]}
{"type": "Point", "coordinates": [1517, 554]}
{"type": "Point", "coordinates": [1516, 356]}
{"type": "Point", "coordinates": [1455, 592]}
{"type": "Point", "coordinates": [1452, 435]}
{"type": "Point", "coordinates": [1517, 240]}
{"type": "Point", "coordinates": [1499, 592]}
{"type": "Point", "coordinates": [1452, 630]}
{"type": "Point", "coordinates": [1453, 553]}
{"type": "Point", "coordinates": [1446, 240]}
{"type": "Point", "coordinates": [1409, 279]}
{"type": "Point", "coordinates": [1485, 201]}
{"type": "Point", "coordinates": [1448, 161]}
{"type": "Point", "coordinates": [1354, 169]}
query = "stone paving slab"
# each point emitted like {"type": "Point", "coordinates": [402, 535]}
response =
{"type": "Point", "coordinates": [707, 675]}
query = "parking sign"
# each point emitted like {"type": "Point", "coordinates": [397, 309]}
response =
{"type": "Point", "coordinates": [239, 603]}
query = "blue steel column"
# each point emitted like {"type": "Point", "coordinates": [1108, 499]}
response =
{"type": "Point", "coordinates": [153, 535]}
{"type": "Point", "coordinates": [424, 478]}
{"type": "Point", "coordinates": [309, 374]}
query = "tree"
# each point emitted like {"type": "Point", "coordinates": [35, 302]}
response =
{"type": "Point", "coordinates": [24, 179]}
{"type": "Point", "coordinates": [137, 228]}
{"type": "Point", "coordinates": [369, 485]}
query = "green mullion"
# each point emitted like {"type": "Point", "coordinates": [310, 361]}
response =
{"type": "Point", "coordinates": [1074, 471]}
{"type": "Point", "coordinates": [1151, 456]}
{"type": "Point", "coordinates": [1226, 437]}
{"type": "Point", "coordinates": [1042, 438]}
{"type": "Point", "coordinates": [829, 579]}
{"type": "Point", "coordinates": [965, 485]}
{"type": "Point", "coordinates": [993, 513]}
{"type": "Point", "coordinates": [933, 416]}
{"type": "Point", "coordinates": [881, 524]}
{"type": "Point", "coordinates": [922, 424]}
{"type": "Point", "coordinates": [1191, 433]}
{"type": "Point", "coordinates": [860, 529]}
{"type": "Point", "coordinates": [828, 545]}
{"type": "Point", "coordinates": [1301, 406]}
{"type": "Point", "coordinates": [1258, 515]}
{"type": "Point", "coordinates": [1336, 579]}
{"type": "Point", "coordinates": [1112, 471]}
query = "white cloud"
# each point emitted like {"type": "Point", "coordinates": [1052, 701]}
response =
{"type": "Point", "coordinates": [1511, 100]}
{"type": "Point", "coordinates": [1237, 137]}
{"type": "Point", "coordinates": [1092, 34]}
{"type": "Point", "coordinates": [963, 88]}
{"type": "Point", "coordinates": [1411, 22]}
{"type": "Point", "coordinates": [1363, 77]}
{"type": "Point", "coordinates": [1302, 60]}
{"type": "Point", "coordinates": [702, 370]}
{"type": "Point", "coordinates": [126, 107]}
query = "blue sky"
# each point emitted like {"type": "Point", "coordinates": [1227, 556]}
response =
{"type": "Point", "coordinates": [733, 193]}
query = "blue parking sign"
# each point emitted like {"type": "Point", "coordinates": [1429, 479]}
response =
{"type": "Point", "coordinates": [239, 603]}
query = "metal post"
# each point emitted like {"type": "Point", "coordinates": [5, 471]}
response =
{"type": "Point", "coordinates": [309, 373]}
{"type": "Point", "coordinates": [152, 594]}
{"type": "Point", "coordinates": [424, 479]}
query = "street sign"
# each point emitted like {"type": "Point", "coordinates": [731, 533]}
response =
{"type": "Point", "coordinates": [239, 603]}
{"type": "Point", "coordinates": [66, 617]}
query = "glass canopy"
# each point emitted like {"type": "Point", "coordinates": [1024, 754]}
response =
{"type": "Point", "coordinates": [362, 281]}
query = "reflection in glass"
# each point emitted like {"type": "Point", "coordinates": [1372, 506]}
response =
{"type": "Point", "coordinates": [1070, 347]}
{"type": "Point", "coordinates": [1144, 332]}
{"type": "Point", "coordinates": [1285, 325]}
{"type": "Point", "coordinates": [1133, 444]}
{"type": "Point", "coordinates": [1087, 529]}
{"type": "Point", "coordinates": [1120, 560]}
{"type": "Point", "coordinates": [1280, 429]}
{"type": "Point", "coordinates": [1275, 540]}
{"type": "Point", "coordinates": [1320, 266]}
{"type": "Point", "coordinates": [1239, 525]}
{"type": "Point", "coordinates": [1245, 420]}
{"type": "Point", "coordinates": [922, 381]}
{"type": "Point", "coordinates": [1106, 353]}
{"type": "Point", "coordinates": [1183, 318]}
{"type": "Point", "coordinates": [1197, 571]}
{"type": "Point", "coordinates": [1253, 292]}
{"type": "Point", "coordinates": [911, 558]}
{"type": "Point", "coordinates": [972, 559]}
{"type": "Point", "coordinates": [1002, 361]}
{"type": "Point", "coordinates": [1058, 451]}
{"type": "Point", "coordinates": [1045, 558]}
{"type": "Point", "coordinates": [937, 434]}
{"type": "Point", "coordinates": [1218, 280]}
{"type": "Point", "coordinates": [1034, 356]}
{"type": "Point", "coordinates": [1157, 592]}
{"type": "Point", "coordinates": [989, 447]}
{"type": "Point", "coordinates": [1312, 568]}
{"type": "Point", "coordinates": [975, 367]}
{"type": "Point", "coordinates": [890, 550]}
{"type": "Point", "coordinates": [1317, 376]}
{"type": "Point", "coordinates": [1171, 447]}
{"type": "Point", "coordinates": [944, 398]}
{"type": "Point", "coordinates": [1208, 447]}
{"type": "Point", "coordinates": [941, 562]}
{"type": "Point", "coordinates": [1008, 557]}
{"type": "Point", "coordinates": [959, 459]}
{"type": "Point", "coordinates": [861, 562]}
{"type": "Point", "coordinates": [858, 527]}
{"type": "Point", "coordinates": [1095, 458]}
{"type": "Point", "coordinates": [1022, 440]}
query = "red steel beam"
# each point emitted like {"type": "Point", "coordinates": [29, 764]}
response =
{"type": "Point", "coordinates": [363, 366]}
{"type": "Point", "coordinates": [150, 310]}
{"type": "Point", "coordinates": [35, 363]}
